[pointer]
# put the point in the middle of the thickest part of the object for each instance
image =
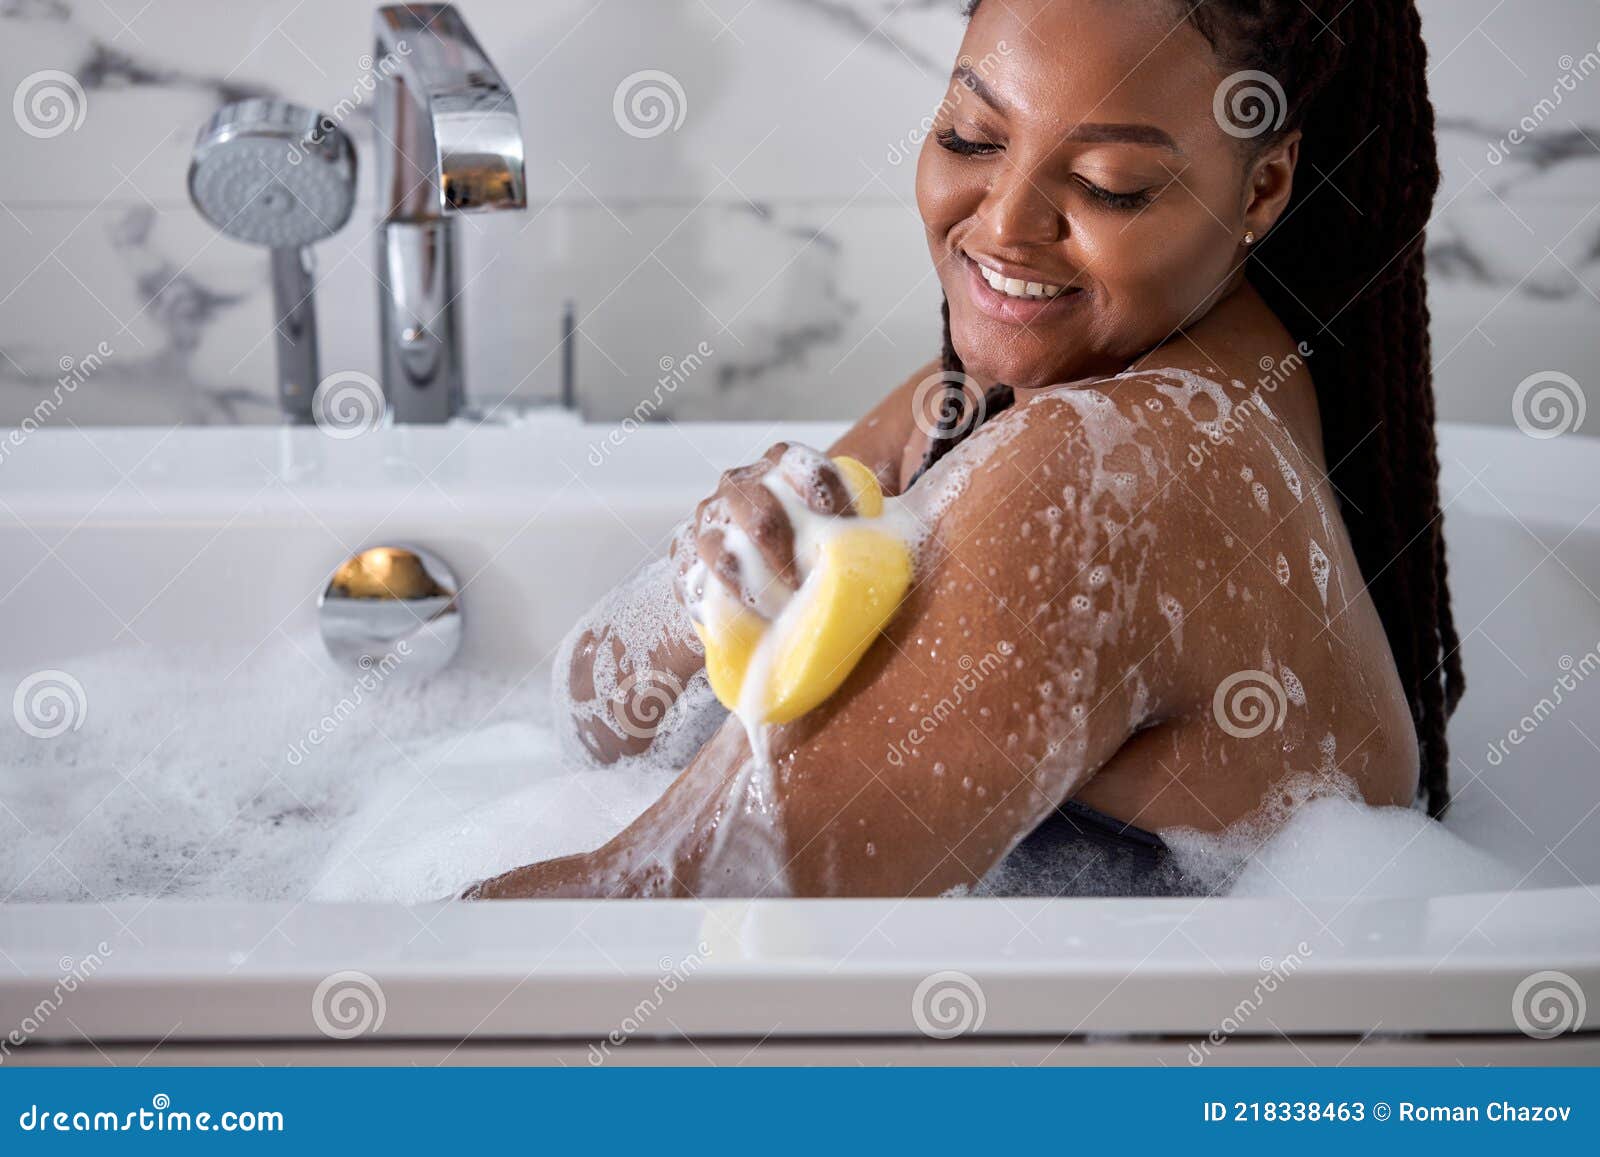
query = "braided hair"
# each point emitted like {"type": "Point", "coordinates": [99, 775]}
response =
{"type": "Point", "coordinates": [1343, 270]}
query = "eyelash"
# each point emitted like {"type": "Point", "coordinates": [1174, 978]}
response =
{"type": "Point", "coordinates": [952, 141]}
{"type": "Point", "coordinates": [948, 138]}
{"type": "Point", "coordinates": [1123, 202]}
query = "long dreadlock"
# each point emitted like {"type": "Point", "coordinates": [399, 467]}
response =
{"type": "Point", "coordinates": [1343, 270]}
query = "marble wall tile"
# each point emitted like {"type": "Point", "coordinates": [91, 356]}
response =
{"type": "Point", "coordinates": [775, 223]}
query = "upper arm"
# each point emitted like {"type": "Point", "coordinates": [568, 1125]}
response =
{"type": "Point", "coordinates": [1012, 672]}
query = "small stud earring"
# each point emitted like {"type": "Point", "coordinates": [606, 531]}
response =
{"type": "Point", "coordinates": [1249, 237]}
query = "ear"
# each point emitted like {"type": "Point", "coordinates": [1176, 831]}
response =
{"type": "Point", "coordinates": [1269, 184]}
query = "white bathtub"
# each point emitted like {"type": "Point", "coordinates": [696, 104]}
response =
{"type": "Point", "coordinates": [224, 537]}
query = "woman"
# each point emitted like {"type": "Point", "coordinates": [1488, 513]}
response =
{"type": "Point", "coordinates": [1185, 527]}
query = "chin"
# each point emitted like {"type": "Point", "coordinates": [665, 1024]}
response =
{"type": "Point", "coordinates": [1015, 368]}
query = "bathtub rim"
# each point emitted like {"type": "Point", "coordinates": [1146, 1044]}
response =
{"type": "Point", "coordinates": [802, 968]}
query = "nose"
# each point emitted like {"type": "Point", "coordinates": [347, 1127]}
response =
{"type": "Point", "coordinates": [1017, 212]}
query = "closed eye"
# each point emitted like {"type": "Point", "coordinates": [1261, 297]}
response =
{"type": "Point", "coordinates": [1135, 199]}
{"type": "Point", "coordinates": [949, 139]}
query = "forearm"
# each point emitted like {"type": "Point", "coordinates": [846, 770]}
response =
{"type": "Point", "coordinates": [679, 847]}
{"type": "Point", "coordinates": [567, 877]}
{"type": "Point", "coordinates": [840, 814]}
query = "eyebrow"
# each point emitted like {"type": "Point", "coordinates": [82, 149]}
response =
{"type": "Point", "coordinates": [1099, 133]}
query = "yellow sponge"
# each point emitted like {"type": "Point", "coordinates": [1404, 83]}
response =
{"type": "Point", "coordinates": [801, 658]}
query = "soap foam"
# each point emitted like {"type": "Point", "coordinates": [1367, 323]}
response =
{"type": "Point", "coordinates": [1315, 839]}
{"type": "Point", "coordinates": [184, 783]}
{"type": "Point", "coordinates": [1318, 839]}
{"type": "Point", "coordinates": [180, 783]}
{"type": "Point", "coordinates": [641, 617]}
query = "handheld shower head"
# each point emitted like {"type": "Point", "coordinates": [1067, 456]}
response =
{"type": "Point", "coordinates": [272, 173]}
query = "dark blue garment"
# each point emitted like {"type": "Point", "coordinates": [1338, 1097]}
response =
{"type": "Point", "coordinates": [1078, 851]}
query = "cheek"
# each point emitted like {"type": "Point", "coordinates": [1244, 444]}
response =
{"type": "Point", "coordinates": [941, 194]}
{"type": "Point", "coordinates": [1168, 262]}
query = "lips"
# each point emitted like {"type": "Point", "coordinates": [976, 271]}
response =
{"type": "Point", "coordinates": [1013, 295]}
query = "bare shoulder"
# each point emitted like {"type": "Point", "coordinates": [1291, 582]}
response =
{"type": "Point", "coordinates": [1105, 454]}
{"type": "Point", "coordinates": [1124, 506]}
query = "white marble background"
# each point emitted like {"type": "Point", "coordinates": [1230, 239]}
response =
{"type": "Point", "coordinates": [774, 225]}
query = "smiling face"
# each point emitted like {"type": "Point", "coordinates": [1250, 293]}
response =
{"type": "Point", "coordinates": [1081, 201]}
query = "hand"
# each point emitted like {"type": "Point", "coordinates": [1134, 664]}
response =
{"type": "Point", "coordinates": [742, 537]}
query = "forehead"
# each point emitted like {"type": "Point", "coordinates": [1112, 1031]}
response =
{"type": "Point", "coordinates": [1103, 60]}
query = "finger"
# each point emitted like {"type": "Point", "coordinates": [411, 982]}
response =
{"type": "Point", "coordinates": [812, 475]}
{"type": "Point", "coordinates": [759, 513]}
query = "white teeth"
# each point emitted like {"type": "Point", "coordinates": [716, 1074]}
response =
{"type": "Point", "coordinates": [1012, 287]}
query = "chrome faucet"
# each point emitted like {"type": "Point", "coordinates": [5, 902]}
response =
{"type": "Point", "coordinates": [449, 142]}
